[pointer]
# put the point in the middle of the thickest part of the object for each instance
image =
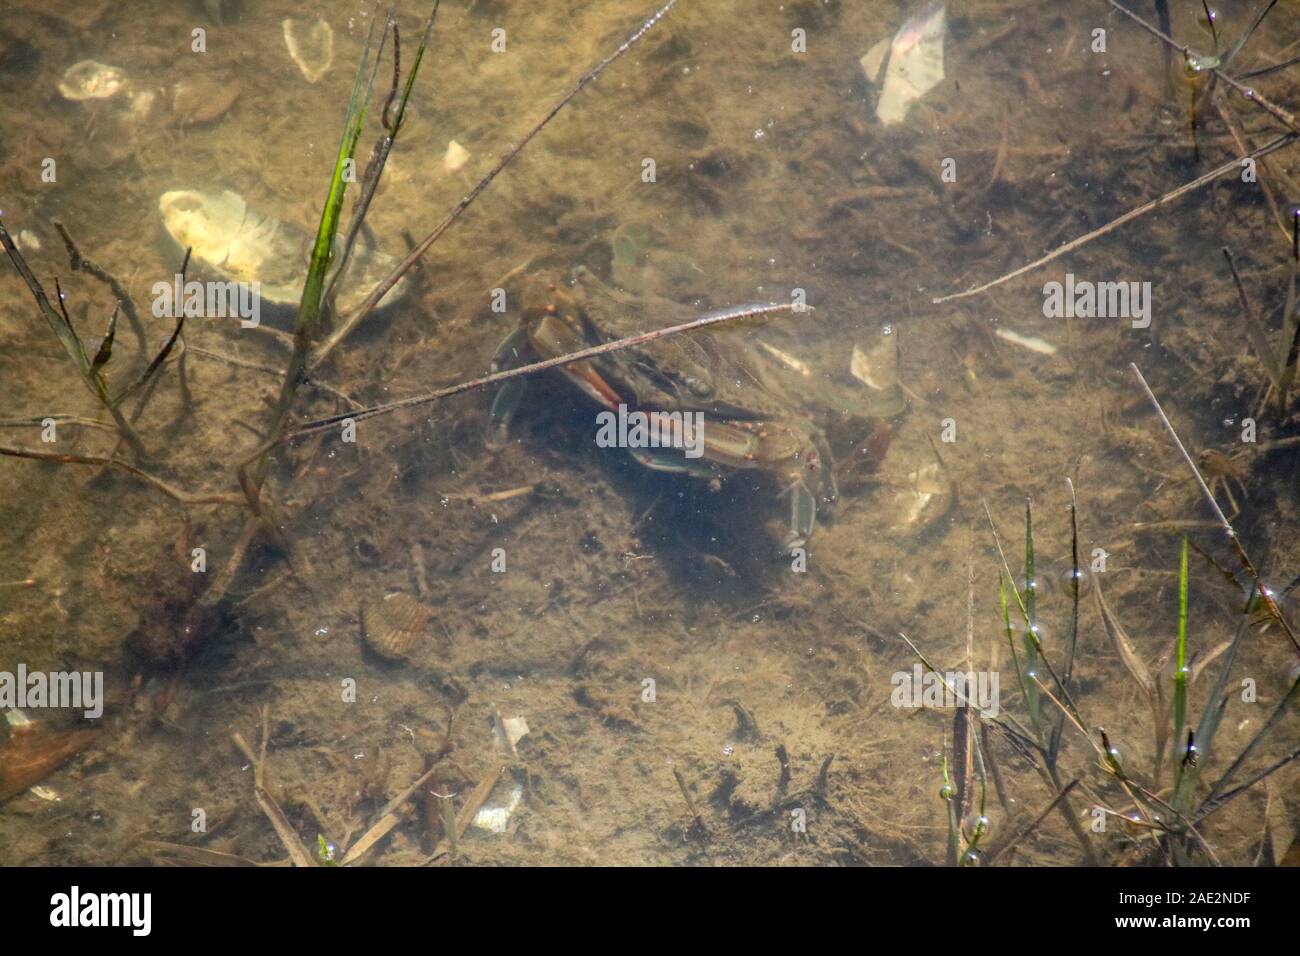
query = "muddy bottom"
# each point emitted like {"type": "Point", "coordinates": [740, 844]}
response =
{"type": "Point", "coordinates": [605, 663]}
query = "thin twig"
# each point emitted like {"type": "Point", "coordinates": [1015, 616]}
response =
{"type": "Point", "coordinates": [1229, 167]}
{"type": "Point", "coordinates": [1224, 523]}
{"type": "Point", "coordinates": [712, 318]}
{"type": "Point", "coordinates": [185, 497]}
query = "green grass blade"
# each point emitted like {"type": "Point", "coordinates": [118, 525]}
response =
{"type": "Point", "coordinates": [323, 246]}
{"type": "Point", "coordinates": [1015, 654]}
{"type": "Point", "coordinates": [1180, 663]}
{"type": "Point", "coordinates": [1210, 719]}
{"type": "Point", "coordinates": [1032, 700]}
{"type": "Point", "coordinates": [1068, 668]}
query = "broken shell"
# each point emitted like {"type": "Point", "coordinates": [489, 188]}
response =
{"type": "Point", "coordinates": [144, 104]}
{"type": "Point", "coordinates": [877, 368]}
{"type": "Point", "coordinates": [392, 626]}
{"type": "Point", "coordinates": [455, 157]}
{"type": "Point", "coordinates": [925, 498]}
{"type": "Point", "coordinates": [89, 80]}
{"type": "Point", "coordinates": [311, 46]}
{"type": "Point", "coordinates": [508, 731]}
{"type": "Point", "coordinates": [495, 817]}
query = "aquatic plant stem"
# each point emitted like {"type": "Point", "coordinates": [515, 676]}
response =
{"type": "Point", "coordinates": [506, 159]}
{"type": "Point", "coordinates": [79, 263]}
{"type": "Point", "coordinates": [184, 497]}
{"type": "Point", "coordinates": [59, 322]}
{"type": "Point", "coordinates": [1284, 117]}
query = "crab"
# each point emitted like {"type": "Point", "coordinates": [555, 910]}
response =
{"type": "Point", "coordinates": [745, 426]}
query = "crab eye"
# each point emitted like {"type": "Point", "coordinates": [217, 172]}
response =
{"type": "Point", "coordinates": [699, 388]}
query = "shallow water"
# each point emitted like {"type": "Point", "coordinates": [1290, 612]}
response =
{"type": "Point", "coordinates": [643, 624]}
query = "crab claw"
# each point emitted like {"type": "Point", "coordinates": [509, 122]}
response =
{"type": "Point", "coordinates": [803, 517]}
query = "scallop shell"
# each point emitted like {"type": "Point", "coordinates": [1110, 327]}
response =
{"type": "Point", "coordinates": [393, 625]}
{"type": "Point", "coordinates": [89, 80]}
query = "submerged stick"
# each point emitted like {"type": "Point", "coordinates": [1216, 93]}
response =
{"type": "Point", "coordinates": [712, 318]}
{"type": "Point", "coordinates": [184, 497]}
{"type": "Point", "coordinates": [1223, 521]}
{"type": "Point", "coordinates": [1231, 166]}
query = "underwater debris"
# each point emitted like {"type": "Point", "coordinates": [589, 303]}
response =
{"type": "Point", "coordinates": [508, 731]}
{"type": "Point", "coordinates": [1031, 342]}
{"type": "Point", "coordinates": [198, 101]}
{"type": "Point", "coordinates": [232, 242]}
{"type": "Point", "coordinates": [877, 368]}
{"type": "Point", "coordinates": [908, 65]}
{"type": "Point", "coordinates": [495, 817]}
{"type": "Point", "coordinates": [394, 625]}
{"type": "Point", "coordinates": [925, 498]}
{"type": "Point", "coordinates": [785, 358]}
{"type": "Point", "coordinates": [89, 80]}
{"type": "Point", "coordinates": [33, 752]}
{"type": "Point", "coordinates": [311, 46]}
{"type": "Point", "coordinates": [455, 158]}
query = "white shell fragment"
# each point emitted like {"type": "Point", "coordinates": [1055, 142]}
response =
{"type": "Point", "coordinates": [89, 80]}
{"type": "Point", "coordinates": [496, 818]}
{"type": "Point", "coordinates": [311, 46]}
{"type": "Point", "coordinates": [455, 158]}
{"type": "Point", "coordinates": [913, 66]}
{"type": "Point", "coordinates": [925, 495]}
{"type": "Point", "coordinates": [786, 359]}
{"type": "Point", "coordinates": [508, 731]}
{"type": "Point", "coordinates": [878, 368]}
{"type": "Point", "coordinates": [1031, 342]}
{"type": "Point", "coordinates": [233, 243]}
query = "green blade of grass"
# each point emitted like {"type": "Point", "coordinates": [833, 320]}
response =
{"type": "Point", "coordinates": [1209, 723]}
{"type": "Point", "coordinates": [323, 245]}
{"type": "Point", "coordinates": [326, 231]}
{"type": "Point", "coordinates": [1067, 669]}
{"type": "Point", "coordinates": [1032, 701]}
{"type": "Point", "coordinates": [1180, 662]}
{"type": "Point", "coordinates": [1015, 653]}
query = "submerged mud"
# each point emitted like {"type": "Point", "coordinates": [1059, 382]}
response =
{"type": "Point", "coordinates": [690, 696]}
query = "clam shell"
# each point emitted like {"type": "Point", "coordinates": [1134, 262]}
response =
{"type": "Point", "coordinates": [232, 242]}
{"type": "Point", "coordinates": [393, 625]}
{"type": "Point", "coordinates": [311, 46]}
{"type": "Point", "coordinates": [202, 100]}
{"type": "Point", "coordinates": [89, 80]}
